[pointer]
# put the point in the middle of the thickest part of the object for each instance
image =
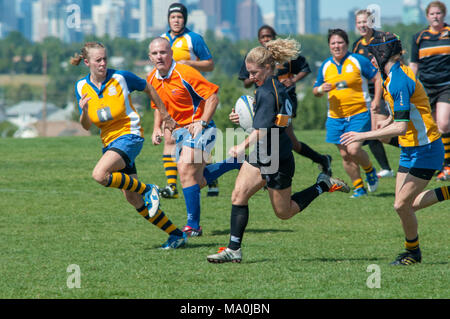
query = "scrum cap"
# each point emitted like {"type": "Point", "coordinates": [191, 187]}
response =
{"type": "Point", "coordinates": [178, 7]}
{"type": "Point", "coordinates": [383, 47]}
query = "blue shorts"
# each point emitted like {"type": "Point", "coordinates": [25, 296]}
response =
{"type": "Point", "coordinates": [430, 156]}
{"type": "Point", "coordinates": [336, 127]}
{"type": "Point", "coordinates": [128, 146]}
{"type": "Point", "coordinates": [204, 141]}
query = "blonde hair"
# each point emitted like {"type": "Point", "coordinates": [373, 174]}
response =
{"type": "Point", "coordinates": [274, 52]}
{"type": "Point", "coordinates": [438, 4]}
{"type": "Point", "coordinates": [76, 59]}
{"type": "Point", "coordinates": [363, 11]}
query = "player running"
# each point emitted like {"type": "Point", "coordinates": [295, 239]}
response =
{"type": "Point", "coordinates": [104, 99]}
{"type": "Point", "coordinates": [421, 145]}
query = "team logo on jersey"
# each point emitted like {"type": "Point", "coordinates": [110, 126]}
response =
{"type": "Point", "coordinates": [341, 85]}
{"type": "Point", "coordinates": [104, 114]}
{"type": "Point", "coordinates": [179, 44]}
{"type": "Point", "coordinates": [349, 68]}
{"type": "Point", "coordinates": [112, 90]}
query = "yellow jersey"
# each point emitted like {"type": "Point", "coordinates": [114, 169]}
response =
{"type": "Point", "coordinates": [409, 102]}
{"type": "Point", "coordinates": [349, 78]}
{"type": "Point", "coordinates": [110, 107]}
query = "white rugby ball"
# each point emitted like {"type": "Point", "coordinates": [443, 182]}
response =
{"type": "Point", "coordinates": [244, 108]}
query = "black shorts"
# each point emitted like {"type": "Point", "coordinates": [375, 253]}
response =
{"type": "Point", "coordinates": [283, 177]}
{"type": "Point", "coordinates": [422, 173]}
{"type": "Point", "coordinates": [438, 94]}
{"type": "Point", "coordinates": [129, 169]}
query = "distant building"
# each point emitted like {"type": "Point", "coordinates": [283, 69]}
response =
{"type": "Point", "coordinates": [249, 19]}
{"type": "Point", "coordinates": [286, 17]}
{"type": "Point", "coordinates": [412, 12]}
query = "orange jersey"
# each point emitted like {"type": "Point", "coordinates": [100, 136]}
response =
{"type": "Point", "coordinates": [184, 92]}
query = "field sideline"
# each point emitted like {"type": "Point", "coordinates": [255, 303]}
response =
{"type": "Point", "coordinates": [53, 215]}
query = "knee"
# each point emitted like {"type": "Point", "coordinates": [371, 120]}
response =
{"type": "Point", "coordinates": [401, 207]}
{"type": "Point", "coordinates": [239, 197]}
{"type": "Point", "coordinates": [282, 214]}
{"type": "Point", "coordinates": [444, 126]}
{"type": "Point", "coordinates": [101, 176]}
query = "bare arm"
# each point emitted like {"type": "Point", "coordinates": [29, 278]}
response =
{"type": "Point", "coordinates": [85, 121]}
{"type": "Point", "coordinates": [164, 115]}
{"type": "Point", "coordinates": [391, 130]}
{"type": "Point", "coordinates": [321, 90]}
{"type": "Point", "coordinates": [202, 66]}
{"type": "Point", "coordinates": [414, 67]}
{"type": "Point", "coordinates": [375, 105]}
{"type": "Point", "coordinates": [210, 108]}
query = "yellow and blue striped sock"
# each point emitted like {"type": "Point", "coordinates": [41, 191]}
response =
{"type": "Point", "coordinates": [126, 182]}
{"type": "Point", "coordinates": [161, 221]}
{"type": "Point", "coordinates": [170, 169]}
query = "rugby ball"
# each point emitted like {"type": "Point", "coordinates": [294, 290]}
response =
{"type": "Point", "coordinates": [244, 108]}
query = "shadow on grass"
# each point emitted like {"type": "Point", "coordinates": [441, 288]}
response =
{"type": "Point", "coordinates": [383, 195]}
{"type": "Point", "coordinates": [250, 230]}
{"type": "Point", "coordinates": [325, 259]}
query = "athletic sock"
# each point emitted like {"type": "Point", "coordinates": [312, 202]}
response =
{"type": "Point", "coordinates": [310, 153]}
{"type": "Point", "coordinates": [214, 171]}
{"type": "Point", "coordinates": [306, 196]}
{"type": "Point", "coordinates": [161, 221]}
{"type": "Point", "coordinates": [412, 244]}
{"type": "Point", "coordinates": [125, 181]}
{"type": "Point", "coordinates": [377, 149]}
{"type": "Point", "coordinates": [446, 141]}
{"type": "Point", "coordinates": [368, 169]}
{"type": "Point", "coordinates": [442, 193]}
{"type": "Point", "coordinates": [358, 183]}
{"type": "Point", "coordinates": [238, 223]}
{"type": "Point", "coordinates": [170, 169]}
{"type": "Point", "coordinates": [192, 200]}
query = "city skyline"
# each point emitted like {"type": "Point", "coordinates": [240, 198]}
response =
{"type": "Point", "coordinates": [339, 9]}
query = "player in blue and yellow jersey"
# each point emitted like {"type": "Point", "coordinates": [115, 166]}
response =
{"type": "Point", "coordinates": [421, 145]}
{"type": "Point", "coordinates": [188, 48]}
{"type": "Point", "coordinates": [430, 60]}
{"type": "Point", "coordinates": [104, 100]}
{"type": "Point", "coordinates": [344, 77]}
{"type": "Point", "coordinates": [378, 110]}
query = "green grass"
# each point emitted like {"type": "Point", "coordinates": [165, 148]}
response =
{"type": "Point", "coordinates": [52, 215]}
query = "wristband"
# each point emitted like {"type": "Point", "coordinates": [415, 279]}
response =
{"type": "Point", "coordinates": [320, 89]}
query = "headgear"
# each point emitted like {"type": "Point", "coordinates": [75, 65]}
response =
{"type": "Point", "coordinates": [383, 47]}
{"type": "Point", "coordinates": [178, 7]}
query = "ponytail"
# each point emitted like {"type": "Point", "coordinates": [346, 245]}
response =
{"type": "Point", "coordinates": [76, 59]}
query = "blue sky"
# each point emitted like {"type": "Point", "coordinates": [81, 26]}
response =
{"type": "Point", "coordinates": [339, 8]}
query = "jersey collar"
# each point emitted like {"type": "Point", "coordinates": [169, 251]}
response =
{"type": "Point", "coordinates": [109, 74]}
{"type": "Point", "coordinates": [169, 74]}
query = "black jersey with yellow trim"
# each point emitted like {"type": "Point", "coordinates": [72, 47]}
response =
{"type": "Point", "coordinates": [431, 50]}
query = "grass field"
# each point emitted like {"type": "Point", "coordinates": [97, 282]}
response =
{"type": "Point", "coordinates": [53, 215]}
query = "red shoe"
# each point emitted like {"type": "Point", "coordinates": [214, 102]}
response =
{"type": "Point", "coordinates": [444, 175]}
{"type": "Point", "coordinates": [192, 232]}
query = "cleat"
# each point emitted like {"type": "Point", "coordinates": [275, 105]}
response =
{"type": "Point", "coordinates": [151, 199]}
{"type": "Point", "coordinates": [334, 184]}
{"type": "Point", "coordinates": [444, 175]}
{"type": "Point", "coordinates": [359, 192]}
{"type": "Point", "coordinates": [170, 191]}
{"type": "Point", "coordinates": [226, 255]}
{"type": "Point", "coordinates": [325, 167]}
{"type": "Point", "coordinates": [409, 257]}
{"type": "Point", "coordinates": [385, 173]}
{"type": "Point", "coordinates": [372, 180]}
{"type": "Point", "coordinates": [175, 242]}
{"type": "Point", "coordinates": [213, 188]}
{"type": "Point", "coordinates": [192, 232]}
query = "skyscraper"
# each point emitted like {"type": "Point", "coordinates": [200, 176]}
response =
{"type": "Point", "coordinates": [285, 16]}
{"type": "Point", "coordinates": [308, 18]}
{"type": "Point", "coordinates": [249, 19]}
